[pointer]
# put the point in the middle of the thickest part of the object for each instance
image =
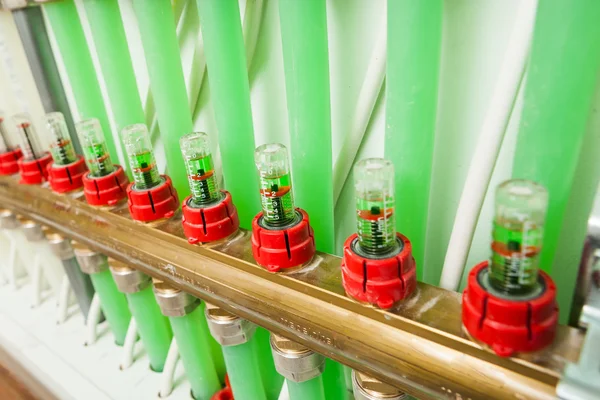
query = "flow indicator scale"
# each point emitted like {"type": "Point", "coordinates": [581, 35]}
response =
{"type": "Point", "coordinates": [208, 213]}
{"type": "Point", "coordinates": [508, 304]}
{"type": "Point", "coordinates": [66, 172]}
{"type": "Point", "coordinates": [517, 236]}
{"type": "Point", "coordinates": [377, 267]}
{"type": "Point", "coordinates": [33, 164]}
{"type": "Point", "coordinates": [9, 152]}
{"type": "Point", "coordinates": [281, 234]}
{"type": "Point", "coordinates": [151, 196]}
{"type": "Point", "coordinates": [106, 183]}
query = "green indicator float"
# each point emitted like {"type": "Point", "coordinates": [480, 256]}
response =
{"type": "Point", "coordinates": [199, 168]}
{"type": "Point", "coordinates": [140, 155]}
{"type": "Point", "coordinates": [94, 147]}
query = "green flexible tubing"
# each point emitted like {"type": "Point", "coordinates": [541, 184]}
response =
{"type": "Point", "coordinates": [107, 29]}
{"type": "Point", "coordinates": [230, 96]}
{"type": "Point", "coordinates": [192, 335]}
{"type": "Point", "coordinates": [414, 37]}
{"type": "Point", "coordinates": [153, 326]}
{"type": "Point", "coordinates": [563, 71]}
{"type": "Point", "coordinates": [308, 390]}
{"type": "Point", "coordinates": [113, 303]}
{"type": "Point", "coordinates": [159, 39]}
{"type": "Point", "coordinates": [306, 65]}
{"type": "Point", "coordinates": [272, 380]}
{"type": "Point", "coordinates": [78, 63]}
{"type": "Point", "coordinates": [243, 371]}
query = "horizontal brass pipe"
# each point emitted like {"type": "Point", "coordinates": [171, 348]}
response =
{"type": "Point", "coordinates": [419, 346]}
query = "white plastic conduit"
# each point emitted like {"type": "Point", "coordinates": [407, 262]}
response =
{"type": "Point", "coordinates": [488, 145]}
{"type": "Point", "coordinates": [367, 98]}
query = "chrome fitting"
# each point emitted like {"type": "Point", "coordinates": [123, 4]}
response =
{"type": "Point", "coordinates": [128, 280]}
{"type": "Point", "coordinates": [368, 388]}
{"type": "Point", "coordinates": [32, 230]}
{"type": "Point", "coordinates": [174, 302]}
{"type": "Point", "coordinates": [8, 220]}
{"type": "Point", "coordinates": [226, 328]}
{"type": "Point", "coordinates": [60, 246]}
{"type": "Point", "coordinates": [90, 261]}
{"type": "Point", "coordinates": [294, 361]}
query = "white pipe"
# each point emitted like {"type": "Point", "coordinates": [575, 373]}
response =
{"type": "Point", "coordinates": [251, 27]}
{"type": "Point", "coordinates": [63, 300]}
{"type": "Point", "coordinates": [488, 145]}
{"type": "Point", "coordinates": [129, 345]}
{"type": "Point", "coordinates": [92, 320]}
{"type": "Point", "coordinates": [36, 283]}
{"type": "Point", "coordinates": [367, 98]}
{"type": "Point", "coordinates": [168, 374]}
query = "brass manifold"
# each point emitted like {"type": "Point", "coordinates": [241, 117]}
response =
{"type": "Point", "coordinates": [419, 346]}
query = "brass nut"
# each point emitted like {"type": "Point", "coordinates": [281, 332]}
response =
{"type": "Point", "coordinates": [368, 388]}
{"type": "Point", "coordinates": [226, 328]}
{"type": "Point", "coordinates": [90, 261]}
{"type": "Point", "coordinates": [8, 220]}
{"type": "Point", "coordinates": [128, 280]}
{"type": "Point", "coordinates": [294, 361]}
{"type": "Point", "coordinates": [174, 302]}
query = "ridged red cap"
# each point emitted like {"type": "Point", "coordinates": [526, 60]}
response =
{"type": "Point", "coordinates": [207, 224]}
{"type": "Point", "coordinates": [9, 162]}
{"type": "Point", "coordinates": [66, 178]}
{"type": "Point", "coordinates": [285, 248]}
{"type": "Point", "coordinates": [34, 172]}
{"type": "Point", "coordinates": [151, 204]}
{"type": "Point", "coordinates": [381, 282]}
{"type": "Point", "coordinates": [509, 326]}
{"type": "Point", "coordinates": [106, 190]}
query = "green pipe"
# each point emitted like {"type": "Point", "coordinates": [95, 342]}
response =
{"type": "Point", "coordinates": [107, 29]}
{"type": "Point", "coordinates": [193, 339]}
{"type": "Point", "coordinates": [230, 96]}
{"type": "Point", "coordinates": [243, 371]}
{"type": "Point", "coordinates": [153, 327]}
{"type": "Point", "coordinates": [563, 71]}
{"type": "Point", "coordinates": [307, 390]}
{"type": "Point", "coordinates": [78, 63]}
{"type": "Point", "coordinates": [306, 65]}
{"type": "Point", "coordinates": [414, 32]}
{"type": "Point", "coordinates": [159, 39]}
{"type": "Point", "coordinates": [113, 303]}
{"type": "Point", "coordinates": [272, 380]}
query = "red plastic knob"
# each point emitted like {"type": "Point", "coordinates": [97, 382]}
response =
{"type": "Point", "coordinates": [151, 204]}
{"type": "Point", "coordinates": [66, 178]}
{"type": "Point", "coordinates": [509, 326]}
{"type": "Point", "coordinates": [34, 172]}
{"type": "Point", "coordinates": [207, 224]}
{"type": "Point", "coordinates": [106, 190]}
{"type": "Point", "coordinates": [381, 282]}
{"type": "Point", "coordinates": [283, 248]}
{"type": "Point", "coordinates": [9, 162]}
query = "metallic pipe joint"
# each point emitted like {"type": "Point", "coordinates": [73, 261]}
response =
{"type": "Point", "coordinates": [368, 388]}
{"type": "Point", "coordinates": [294, 361]}
{"type": "Point", "coordinates": [8, 220]}
{"type": "Point", "coordinates": [60, 246]}
{"type": "Point", "coordinates": [128, 280]}
{"type": "Point", "coordinates": [32, 230]}
{"type": "Point", "coordinates": [174, 302]}
{"type": "Point", "coordinates": [226, 328]}
{"type": "Point", "coordinates": [90, 261]}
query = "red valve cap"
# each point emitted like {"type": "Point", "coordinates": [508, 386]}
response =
{"type": "Point", "coordinates": [9, 162]}
{"type": "Point", "coordinates": [381, 282]}
{"type": "Point", "coordinates": [106, 190]}
{"type": "Point", "coordinates": [151, 204]}
{"type": "Point", "coordinates": [277, 249]}
{"type": "Point", "coordinates": [66, 178]}
{"type": "Point", "coordinates": [34, 172]}
{"type": "Point", "coordinates": [509, 326]}
{"type": "Point", "coordinates": [207, 224]}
